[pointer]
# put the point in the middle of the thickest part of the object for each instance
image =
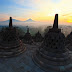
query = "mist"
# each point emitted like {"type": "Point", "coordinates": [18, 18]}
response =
{"type": "Point", "coordinates": [38, 26]}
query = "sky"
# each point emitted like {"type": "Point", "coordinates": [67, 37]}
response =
{"type": "Point", "coordinates": [38, 10]}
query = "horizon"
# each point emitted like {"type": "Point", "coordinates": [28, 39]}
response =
{"type": "Point", "coordinates": [16, 19]}
{"type": "Point", "coordinates": [39, 10]}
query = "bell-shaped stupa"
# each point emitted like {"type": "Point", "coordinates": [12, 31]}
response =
{"type": "Point", "coordinates": [27, 37]}
{"type": "Point", "coordinates": [10, 44]}
{"type": "Point", "coordinates": [52, 56]}
{"type": "Point", "coordinates": [68, 41]}
{"type": "Point", "coordinates": [38, 37]}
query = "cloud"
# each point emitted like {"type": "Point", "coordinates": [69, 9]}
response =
{"type": "Point", "coordinates": [38, 9]}
{"type": "Point", "coordinates": [56, 1]}
{"type": "Point", "coordinates": [4, 17]}
{"type": "Point", "coordinates": [26, 3]}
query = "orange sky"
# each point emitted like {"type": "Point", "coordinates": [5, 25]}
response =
{"type": "Point", "coordinates": [38, 10]}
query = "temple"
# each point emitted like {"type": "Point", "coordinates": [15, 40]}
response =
{"type": "Point", "coordinates": [38, 37]}
{"type": "Point", "coordinates": [27, 37]}
{"type": "Point", "coordinates": [52, 55]}
{"type": "Point", "coordinates": [10, 44]}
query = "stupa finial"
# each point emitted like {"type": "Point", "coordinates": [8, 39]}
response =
{"type": "Point", "coordinates": [27, 30]}
{"type": "Point", "coordinates": [55, 25]}
{"type": "Point", "coordinates": [10, 22]}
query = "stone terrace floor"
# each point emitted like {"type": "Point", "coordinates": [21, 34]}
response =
{"type": "Point", "coordinates": [21, 63]}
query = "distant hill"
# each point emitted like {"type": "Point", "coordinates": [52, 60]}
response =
{"type": "Point", "coordinates": [29, 20]}
{"type": "Point", "coordinates": [16, 22]}
{"type": "Point", "coordinates": [7, 22]}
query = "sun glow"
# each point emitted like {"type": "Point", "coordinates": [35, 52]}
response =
{"type": "Point", "coordinates": [38, 10]}
{"type": "Point", "coordinates": [70, 21]}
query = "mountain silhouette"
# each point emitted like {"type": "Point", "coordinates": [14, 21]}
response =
{"type": "Point", "coordinates": [15, 22]}
{"type": "Point", "coordinates": [29, 20]}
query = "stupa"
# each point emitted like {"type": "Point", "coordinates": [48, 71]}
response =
{"type": "Point", "coordinates": [38, 37]}
{"type": "Point", "coordinates": [68, 41]}
{"type": "Point", "coordinates": [27, 37]}
{"type": "Point", "coordinates": [52, 56]}
{"type": "Point", "coordinates": [10, 44]}
{"type": "Point", "coordinates": [69, 38]}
